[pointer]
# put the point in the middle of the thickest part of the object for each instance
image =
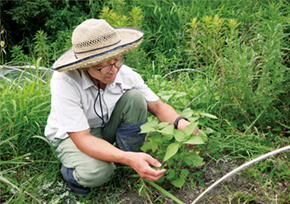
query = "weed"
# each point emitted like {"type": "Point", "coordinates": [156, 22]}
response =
{"type": "Point", "coordinates": [168, 144]}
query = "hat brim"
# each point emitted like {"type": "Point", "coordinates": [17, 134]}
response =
{"type": "Point", "coordinates": [130, 38]}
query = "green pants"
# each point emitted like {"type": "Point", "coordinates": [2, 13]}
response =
{"type": "Point", "coordinates": [131, 111]}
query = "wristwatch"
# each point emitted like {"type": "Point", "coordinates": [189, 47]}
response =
{"type": "Point", "coordinates": [178, 119]}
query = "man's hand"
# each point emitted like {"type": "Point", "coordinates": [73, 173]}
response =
{"type": "Point", "coordinates": [182, 125]}
{"type": "Point", "coordinates": [141, 163]}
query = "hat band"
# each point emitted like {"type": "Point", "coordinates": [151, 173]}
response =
{"type": "Point", "coordinates": [96, 49]}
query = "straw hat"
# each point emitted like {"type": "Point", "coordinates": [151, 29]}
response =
{"type": "Point", "coordinates": [94, 41]}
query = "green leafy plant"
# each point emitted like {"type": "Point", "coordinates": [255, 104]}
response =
{"type": "Point", "coordinates": [42, 48]}
{"type": "Point", "coordinates": [118, 16]}
{"type": "Point", "coordinates": [207, 38]}
{"type": "Point", "coordinates": [3, 43]}
{"type": "Point", "coordinates": [169, 145]}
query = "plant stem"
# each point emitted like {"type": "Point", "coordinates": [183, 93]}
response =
{"type": "Point", "coordinates": [165, 192]}
{"type": "Point", "coordinates": [146, 191]}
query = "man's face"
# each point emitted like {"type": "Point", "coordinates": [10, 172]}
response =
{"type": "Point", "coordinates": [109, 76]}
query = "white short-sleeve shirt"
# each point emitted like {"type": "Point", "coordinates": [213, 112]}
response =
{"type": "Point", "coordinates": [72, 99]}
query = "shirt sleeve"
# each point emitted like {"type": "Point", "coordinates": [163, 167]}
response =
{"type": "Point", "coordinates": [144, 89]}
{"type": "Point", "coordinates": [132, 79]}
{"type": "Point", "coordinates": [67, 107]}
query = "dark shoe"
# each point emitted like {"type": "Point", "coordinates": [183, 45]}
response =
{"type": "Point", "coordinates": [72, 183]}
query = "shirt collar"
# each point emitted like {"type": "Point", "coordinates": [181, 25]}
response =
{"type": "Point", "coordinates": [86, 80]}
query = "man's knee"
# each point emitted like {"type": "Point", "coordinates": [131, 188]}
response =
{"type": "Point", "coordinates": [135, 107]}
{"type": "Point", "coordinates": [95, 173]}
{"type": "Point", "coordinates": [136, 98]}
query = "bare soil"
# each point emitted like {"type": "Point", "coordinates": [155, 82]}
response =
{"type": "Point", "coordinates": [236, 189]}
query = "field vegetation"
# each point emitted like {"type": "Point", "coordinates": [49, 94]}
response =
{"type": "Point", "coordinates": [223, 64]}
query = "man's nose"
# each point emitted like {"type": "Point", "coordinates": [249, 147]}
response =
{"type": "Point", "coordinates": [114, 68]}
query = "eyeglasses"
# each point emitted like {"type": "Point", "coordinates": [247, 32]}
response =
{"type": "Point", "coordinates": [118, 64]}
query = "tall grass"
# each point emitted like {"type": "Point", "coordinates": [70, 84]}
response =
{"type": "Point", "coordinates": [24, 107]}
{"type": "Point", "coordinates": [256, 79]}
{"type": "Point", "coordinates": [244, 52]}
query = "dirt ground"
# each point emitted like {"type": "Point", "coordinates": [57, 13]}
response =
{"type": "Point", "coordinates": [236, 189]}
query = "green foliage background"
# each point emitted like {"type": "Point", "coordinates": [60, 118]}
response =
{"type": "Point", "coordinates": [227, 58]}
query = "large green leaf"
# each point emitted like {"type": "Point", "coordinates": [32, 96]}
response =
{"type": "Point", "coordinates": [187, 113]}
{"type": "Point", "coordinates": [194, 139]}
{"type": "Point", "coordinates": [166, 98]}
{"type": "Point", "coordinates": [167, 130]}
{"type": "Point", "coordinates": [190, 128]}
{"type": "Point", "coordinates": [179, 135]}
{"type": "Point", "coordinates": [154, 145]}
{"type": "Point", "coordinates": [202, 135]}
{"type": "Point", "coordinates": [184, 173]}
{"type": "Point", "coordinates": [165, 95]}
{"type": "Point", "coordinates": [146, 146]}
{"type": "Point", "coordinates": [193, 159]}
{"type": "Point", "coordinates": [157, 138]}
{"type": "Point", "coordinates": [167, 137]}
{"type": "Point", "coordinates": [178, 182]}
{"type": "Point", "coordinates": [162, 125]}
{"type": "Point", "coordinates": [171, 150]}
{"type": "Point", "coordinates": [178, 94]}
{"type": "Point", "coordinates": [149, 126]}
{"type": "Point", "coordinates": [170, 174]}
{"type": "Point", "coordinates": [208, 130]}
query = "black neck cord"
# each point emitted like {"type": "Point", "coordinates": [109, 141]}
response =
{"type": "Point", "coordinates": [99, 96]}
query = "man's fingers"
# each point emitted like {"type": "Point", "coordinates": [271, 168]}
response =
{"type": "Point", "coordinates": [141, 163]}
{"type": "Point", "coordinates": [154, 176]}
{"type": "Point", "coordinates": [196, 131]}
{"type": "Point", "coordinates": [153, 162]}
{"type": "Point", "coordinates": [151, 174]}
